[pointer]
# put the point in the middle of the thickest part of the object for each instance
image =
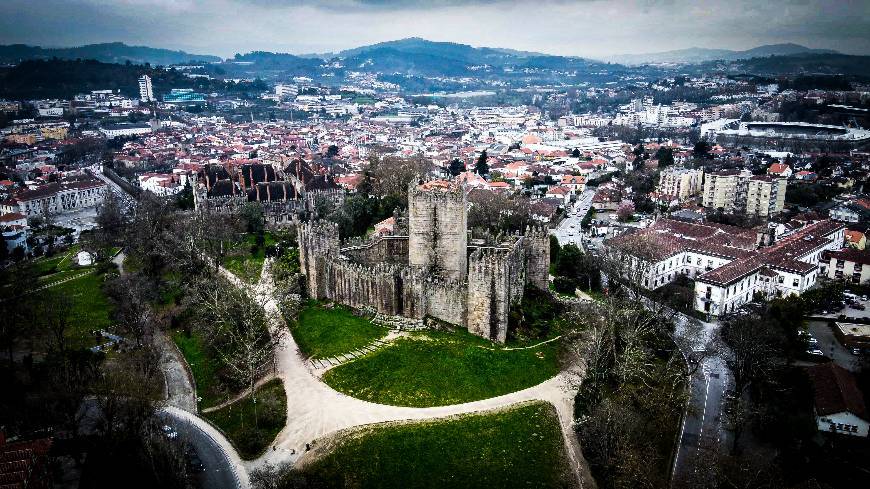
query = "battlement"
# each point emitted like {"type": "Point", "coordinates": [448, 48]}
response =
{"type": "Point", "coordinates": [436, 190]}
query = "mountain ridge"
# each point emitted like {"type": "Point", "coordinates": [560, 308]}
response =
{"type": "Point", "coordinates": [108, 52]}
{"type": "Point", "coordinates": [701, 55]}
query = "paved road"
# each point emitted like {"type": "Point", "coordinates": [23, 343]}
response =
{"type": "Point", "coordinates": [221, 470]}
{"type": "Point", "coordinates": [569, 230]}
{"type": "Point", "coordinates": [703, 429]}
{"type": "Point", "coordinates": [832, 348]}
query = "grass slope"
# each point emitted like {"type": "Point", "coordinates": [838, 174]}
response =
{"type": "Point", "coordinates": [521, 447]}
{"type": "Point", "coordinates": [90, 309]}
{"type": "Point", "coordinates": [203, 368]}
{"type": "Point", "coordinates": [251, 437]}
{"type": "Point", "coordinates": [246, 258]}
{"type": "Point", "coordinates": [438, 369]}
{"type": "Point", "coordinates": [324, 333]}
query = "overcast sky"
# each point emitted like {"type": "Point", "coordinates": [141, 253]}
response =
{"type": "Point", "coordinates": [593, 28]}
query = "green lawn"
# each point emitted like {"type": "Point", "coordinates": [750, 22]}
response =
{"type": "Point", "coordinates": [202, 366]}
{"type": "Point", "coordinates": [61, 261]}
{"type": "Point", "coordinates": [521, 447]}
{"type": "Point", "coordinates": [90, 309]}
{"type": "Point", "coordinates": [247, 264]}
{"type": "Point", "coordinates": [438, 368]}
{"type": "Point", "coordinates": [251, 436]}
{"type": "Point", "coordinates": [324, 333]}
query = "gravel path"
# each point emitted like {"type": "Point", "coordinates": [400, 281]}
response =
{"type": "Point", "coordinates": [315, 411]}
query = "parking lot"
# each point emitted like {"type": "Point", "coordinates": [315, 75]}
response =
{"type": "Point", "coordinates": [831, 348]}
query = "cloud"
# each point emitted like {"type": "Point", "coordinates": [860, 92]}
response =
{"type": "Point", "coordinates": [580, 27]}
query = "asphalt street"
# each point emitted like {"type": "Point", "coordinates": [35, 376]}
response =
{"type": "Point", "coordinates": [569, 231]}
{"type": "Point", "coordinates": [218, 473]}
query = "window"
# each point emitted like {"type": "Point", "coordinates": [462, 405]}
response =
{"type": "Point", "coordinates": [840, 263]}
{"type": "Point", "coordinates": [795, 282]}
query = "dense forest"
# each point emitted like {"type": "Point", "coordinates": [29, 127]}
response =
{"type": "Point", "coordinates": [58, 78]}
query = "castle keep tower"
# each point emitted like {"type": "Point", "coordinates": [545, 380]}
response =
{"type": "Point", "coordinates": [438, 228]}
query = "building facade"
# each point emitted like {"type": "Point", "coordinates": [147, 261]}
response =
{"type": "Point", "coordinates": [146, 91]}
{"type": "Point", "coordinates": [739, 192]}
{"type": "Point", "coordinates": [681, 184]}
{"type": "Point", "coordinates": [729, 264]}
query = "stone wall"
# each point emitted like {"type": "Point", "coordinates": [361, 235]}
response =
{"type": "Point", "coordinates": [488, 295]}
{"type": "Point", "coordinates": [363, 286]}
{"type": "Point", "coordinates": [318, 246]}
{"type": "Point", "coordinates": [537, 244]}
{"type": "Point", "coordinates": [438, 229]}
{"type": "Point", "coordinates": [389, 249]}
{"type": "Point", "coordinates": [427, 295]}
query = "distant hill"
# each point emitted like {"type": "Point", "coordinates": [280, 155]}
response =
{"type": "Point", "coordinates": [457, 52]}
{"type": "Point", "coordinates": [268, 61]}
{"type": "Point", "coordinates": [112, 52]}
{"type": "Point", "coordinates": [417, 56]}
{"type": "Point", "coordinates": [700, 55]}
{"type": "Point", "coordinates": [805, 64]}
{"type": "Point", "coordinates": [63, 78]}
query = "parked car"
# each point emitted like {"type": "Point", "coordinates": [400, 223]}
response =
{"type": "Point", "coordinates": [858, 306]}
{"type": "Point", "coordinates": [815, 351]}
{"type": "Point", "coordinates": [169, 431]}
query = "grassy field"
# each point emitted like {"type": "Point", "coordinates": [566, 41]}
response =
{"type": "Point", "coordinates": [60, 262]}
{"type": "Point", "coordinates": [324, 333]}
{"type": "Point", "coordinates": [246, 262]}
{"type": "Point", "coordinates": [90, 309]}
{"type": "Point", "coordinates": [203, 368]}
{"type": "Point", "coordinates": [521, 447]}
{"type": "Point", "coordinates": [252, 437]}
{"type": "Point", "coordinates": [439, 368]}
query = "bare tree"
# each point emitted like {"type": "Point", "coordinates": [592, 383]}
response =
{"type": "Point", "coordinates": [56, 314]}
{"type": "Point", "coordinates": [132, 295]}
{"type": "Point", "coordinates": [238, 330]}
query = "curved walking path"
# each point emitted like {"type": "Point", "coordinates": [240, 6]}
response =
{"type": "Point", "coordinates": [315, 410]}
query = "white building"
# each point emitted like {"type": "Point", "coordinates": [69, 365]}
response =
{"type": "Point", "coordinates": [56, 198]}
{"type": "Point", "coordinates": [146, 91]}
{"type": "Point", "coordinates": [837, 401]}
{"type": "Point", "coordinates": [112, 131]}
{"type": "Point", "coordinates": [728, 264]}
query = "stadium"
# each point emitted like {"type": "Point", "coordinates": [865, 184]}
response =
{"type": "Point", "coordinates": [794, 136]}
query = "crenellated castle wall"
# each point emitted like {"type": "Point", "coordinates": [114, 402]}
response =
{"type": "Point", "coordinates": [430, 273]}
{"type": "Point", "coordinates": [389, 249]}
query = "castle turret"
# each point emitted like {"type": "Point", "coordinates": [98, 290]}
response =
{"type": "Point", "coordinates": [438, 228]}
{"type": "Point", "coordinates": [537, 242]}
{"type": "Point", "coordinates": [318, 243]}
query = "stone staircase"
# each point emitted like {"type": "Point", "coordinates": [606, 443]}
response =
{"type": "Point", "coordinates": [327, 363]}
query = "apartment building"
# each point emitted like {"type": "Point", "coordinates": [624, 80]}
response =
{"type": "Point", "coordinates": [146, 91]}
{"type": "Point", "coordinates": [738, 191]}
{"type": "Point", "coordinates": [681, 183]}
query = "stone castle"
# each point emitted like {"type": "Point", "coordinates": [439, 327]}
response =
{"type": "Point", "coordinates": [429, 267]}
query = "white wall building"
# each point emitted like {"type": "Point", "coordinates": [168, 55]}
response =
{"type": "Point", "coordinates": [146, 91]}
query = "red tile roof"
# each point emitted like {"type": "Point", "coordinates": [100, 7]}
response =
{"type": "Point", "coordinates": [835, 391]}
